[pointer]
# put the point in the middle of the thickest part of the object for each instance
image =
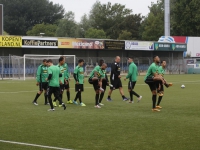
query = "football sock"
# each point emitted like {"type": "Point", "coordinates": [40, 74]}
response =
{"type": "Point", "coordinates": [109, 97]}
{"type": "Point", "coordinates": [134, 93]}
{"type": "Point", "coordinates": [80, 97]}
{"type": "Point", "coordinates": [50, 102]}
{"type": "Point", "coordinates": [61, 96]}
{"type": "Point", "coordinates": [97, 99]}
{"type": "Point", "coordinates": [159, 100]}
{"type": "Point", "coordinates": [68, 95]}
{"type": "Point", "coordinates": [101, 97]}
{"type": "Point", "coordinates": [45, 98]}
{"type": "Point", "coordinates": [154, 101]}
{"type": "Point", "coordinates": [77, 96]}
{"type": "Point", "coordinates": [131, 95]}
{"type": "Point", "coordinates": [36, 97]}
{"type": "Point", "coordinates": [123, 96]}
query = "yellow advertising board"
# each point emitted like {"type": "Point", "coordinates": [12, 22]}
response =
{"type": "Point", "coordinates": [80, 44]}
{"type": "Point", "coordinates": [10, 41]}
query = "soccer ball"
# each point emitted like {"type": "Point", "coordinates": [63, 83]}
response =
{"type": "Point", "coordinates": [182, 86]}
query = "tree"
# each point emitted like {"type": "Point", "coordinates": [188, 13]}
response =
{"type": "Point", "coordinates": [109, 18]}
{"type": "Point", "coordinates": [186, 18]}
{"type": "Point", "coordinates": [67, 26]}
{"type": "Point", "coordinates": [125, 35]}
{"type": "Point", "coordinates": [21, 15]}
{"type": "Point", "coordinates": [132, 24]}
{"type": "Point", "coordinates": [153, 25]}
{"type": "Point", "coordinates": [84, 25]}
{"type": "Point", "coordinates": [48, 29]}
{"type": "Point", "coordinates": [95, 33]}
{"type": "Point", "coordinates": [5, 33]}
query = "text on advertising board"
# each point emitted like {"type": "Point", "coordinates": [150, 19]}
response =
{"type": "Point", "coordinates": [115, 45]}
{"type": "Point", "coordinates": [10, 41]}
{"type": "Point", "coordinates": [27, 42]}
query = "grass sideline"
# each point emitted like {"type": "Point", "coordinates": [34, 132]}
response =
{"type": "Point", "coordinates": [116, 126]}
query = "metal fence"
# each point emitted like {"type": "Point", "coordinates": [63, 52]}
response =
{"type": "Point", "coordinates": [174, 66]}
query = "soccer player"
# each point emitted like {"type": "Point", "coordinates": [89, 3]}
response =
{"type": "Point", "coordinates": [79, 81]}
{"type": "Point", "coordinates": [115, 79]}
{"type": "Point", "coordinates": [96, 77]}
{"type": "Point", "coordinates": [67, 79]}
{"type": "Point", "coordinates": [42, 74]}
{"type": "Point", "coordinates": [54, 75]}
{"type": "Point", "coordinates": [132, 76]}
{"type": "Point", "coordinates": [62, 79]}
{"type": "Point", "coordinates": [152, 78]}
{"type": "Point", "coordinates": [105, 81]}
{"type": "Point", "coordinates": [161, 71]}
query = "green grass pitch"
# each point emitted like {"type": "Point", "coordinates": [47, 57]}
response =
{"type": "Point", "coordinates": [116, 126]}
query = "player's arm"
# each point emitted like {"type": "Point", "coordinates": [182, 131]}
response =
{"type": "Point", "coordinates": [130, 72]}
{"type": "Point", "coordinates": [75, 76]}
{"type": "Point", "coordinates": [38, 75]}
{"type": "Point", "coordinates": [156, 75]}
{"type": "Point", "coordinates": [49, 75]}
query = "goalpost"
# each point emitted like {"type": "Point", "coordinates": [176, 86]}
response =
{"type": "Point", "coordinates": [24, 67]}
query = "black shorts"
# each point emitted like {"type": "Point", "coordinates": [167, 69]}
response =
{"type": "Point", "coordinates": [43, 86]}
{"type": "Point", "coordinates": [90, 81]}
{"type": "Point", "coordinates": [62, 88]}
{"type": "Point", "coordinates": [149, 80]}
{"type": "Point", "coordinates": [116, 84]}
{"type": "Point", "coordinates": [67, 85]}
{"type": "Point", "coordinates": [131, 85]}
{"type": "Point", "coordinates": [96, 85]}
{"type": "Point", "coordinates": [79, 87]}
{"type": "Point", "coordinates": [53, 90]}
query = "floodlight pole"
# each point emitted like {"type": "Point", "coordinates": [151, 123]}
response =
{"type": "Point", "coordinates": [167, 17]}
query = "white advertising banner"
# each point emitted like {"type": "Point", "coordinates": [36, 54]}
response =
{"type": "Point", "coordinates": [137, 45]}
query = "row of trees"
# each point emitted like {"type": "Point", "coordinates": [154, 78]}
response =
{"type": "Point", "coordinates": [114, 21]}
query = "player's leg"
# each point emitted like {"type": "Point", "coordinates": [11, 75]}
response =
{"type": "Point", "coordinates": [154, 96]}
{"type": "Point", "coordinates": [104, 84]}
{"type": "Point", "coordinates": [96, 89]}
{"type": "Point", "coordinates": [119, 85]}
{"type": "Point", "coordinates": [69, 101]}
{"type": "Point", "coordinates": [57, 95]}
{"type": "Point", "coordinates": [49, 93]}
{"type": "Point", "coordinates": [38, 94]}
{"type": "Point", "coordinates": [134, 93]}
{"type": "Point", "coordinates": [45, 86]}
{"type": "Point", "coordinates": [111, 90]}
{"type": "Point", "coordinates": [81, 89]}
{"type": "Point", "coordinates": [152, 85]}
{"type": "Point", "coordinates": [61, 89]}
{"type": "Point", "coordinates": [77, 94]}
{"type": "Point", "coordinates": [160, 97]}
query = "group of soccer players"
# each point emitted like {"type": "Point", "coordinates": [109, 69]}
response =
{"type": "Point", "coordinates": [54, 79]}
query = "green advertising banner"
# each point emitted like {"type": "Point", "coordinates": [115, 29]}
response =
{"type": "Point", "coordinates": [170, 47]}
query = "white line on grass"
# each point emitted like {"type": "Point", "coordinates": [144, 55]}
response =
{"type": "Point", "coordinates": [33, 145]}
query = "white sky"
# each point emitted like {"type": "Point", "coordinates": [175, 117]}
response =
{"type": "Point", "coordinates": [79, 7]}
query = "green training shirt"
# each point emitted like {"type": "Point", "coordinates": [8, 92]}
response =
{"type": "Point", "coordinates": [153, 68]}
{"type": "Point", "coordinates": [79, 74]}
{"type": "Point", "coordinates": [100, 73]}
{"type": "Point", "coordinates": [62, 71]}
{"type": "Point", "coordinates": [55, 71]}
{"type": "Point", "coordinates": [161, 71]}
{"type": "Point", "coordinates": [42, 73]}
{"type": "Point", "coordinates": [132, 72]}
{"type": "Point", "coordinates": [66, 69]}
